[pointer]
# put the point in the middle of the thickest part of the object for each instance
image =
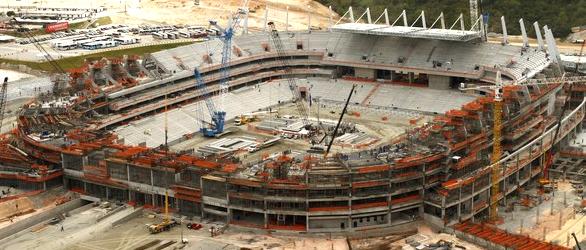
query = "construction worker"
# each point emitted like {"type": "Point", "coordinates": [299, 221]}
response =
{"type": "Point", "coordinates": [61, 228]}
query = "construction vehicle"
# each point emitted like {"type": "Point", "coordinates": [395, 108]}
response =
{"type": "Point", "coordinates": [194, 226]}
{"type": "Point", "coordinates": [167, 222]}
{"type": "Point", "coordinates": [166, 225]}
{"type": "Point", "coordinates": [244, 119]}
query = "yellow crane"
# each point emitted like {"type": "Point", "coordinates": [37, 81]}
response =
{"type": "Point", "coordinates": [497, 150]}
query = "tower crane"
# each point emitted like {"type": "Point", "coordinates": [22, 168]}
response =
{"type": "Point", "coordinates": [218, 115]}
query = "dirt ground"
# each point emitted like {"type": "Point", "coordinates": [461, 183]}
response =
{"type": "Point", "coordinates": [186, 12]}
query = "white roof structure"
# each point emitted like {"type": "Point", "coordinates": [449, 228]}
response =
{"type": "Point", "coordinates": [405, 31]}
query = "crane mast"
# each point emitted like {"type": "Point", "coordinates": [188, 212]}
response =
{"type": "Point", "coordinates": [497, 150]}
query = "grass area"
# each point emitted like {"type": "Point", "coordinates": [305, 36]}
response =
{"type": "Point", "coordinates": [75, 62]}
{"type": "Point", "coordinates": [84, 25]}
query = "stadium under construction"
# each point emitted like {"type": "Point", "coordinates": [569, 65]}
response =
{"type": "Point", "coordinates": [483, 121]}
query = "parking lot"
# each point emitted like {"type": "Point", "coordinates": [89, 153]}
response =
{"type": "Point", "coordinates": [110, 37]}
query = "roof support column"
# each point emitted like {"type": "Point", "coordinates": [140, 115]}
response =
{"type": "Point", "coordinates": [368, 18]}
{"type": "Point", "coordinates": [462, 26]}
{"type": "Point", "coordinates": [524, 33]}
{"type": "Point", "coordinates": [538, 35]}
{"type": "Point", "coordinates": [504, 26]}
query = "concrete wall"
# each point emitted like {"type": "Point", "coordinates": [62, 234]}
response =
{"type": "Point", "coordinates": [439, 82]}
{"type": "Point", "coordinates": [38, 218]}
{"type": "Point", "coordinates": [364, 73]}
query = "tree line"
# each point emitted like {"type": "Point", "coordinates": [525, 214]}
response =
{"type": "Point", "coordinates": [559, 15]}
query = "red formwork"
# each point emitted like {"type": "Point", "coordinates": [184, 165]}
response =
{"type": "Point", "coordinates": [503, 238]}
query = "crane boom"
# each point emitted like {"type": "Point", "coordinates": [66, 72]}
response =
{"type": "Point", "coordinates": [283, 59]}
{"type": "Point", "coordinates": [3, 99]}
{"type": "Point", "coordinates": [339, 121]}
{"type": "Point", "coordinates": [56, 67]}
